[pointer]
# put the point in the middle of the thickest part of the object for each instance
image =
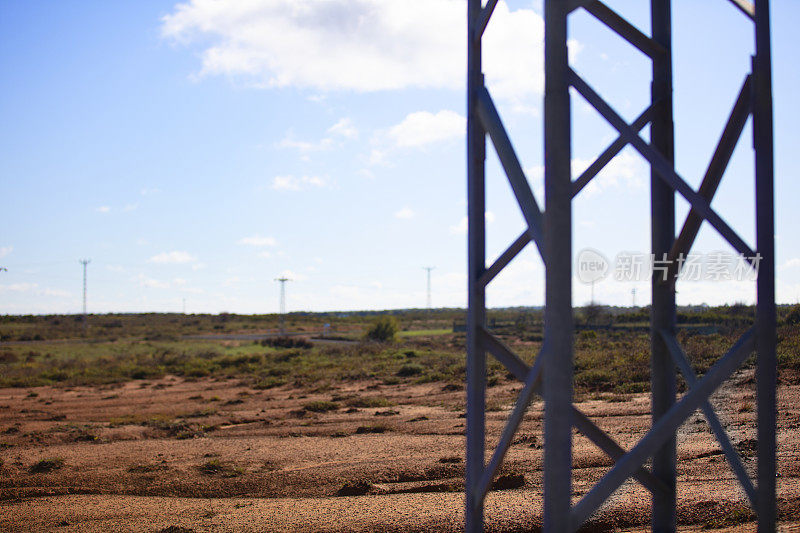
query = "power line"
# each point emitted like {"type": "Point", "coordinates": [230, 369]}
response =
{"type": "Point", "coordinates": [429, 284]}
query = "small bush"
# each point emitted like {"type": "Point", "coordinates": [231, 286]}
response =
{"type": "Point", "coordinates": [357, 488]}
{"type": "Point", "coordinates": [46, 465]}
{"type": "Point", "coordinates": [361, 430]}
{"type": "Point", "coordinates": [383, 329]}
{"type": "Point", "coordinates": [793, 318]}
{"type": "Point", "coordinates": [410, 370]}
{"type": "Point", "coordinates": [216, 467]}
{"type": "Point", "coordinates": [509, 481]}
{"type": "Point", "coordinates": [736, 516]}
{"type": "Point", "coordinates": [287, 342]}
{"type": "Point", "coordinates": [321, 406]}
{"type": "Point", "coordinates": [269, 383]}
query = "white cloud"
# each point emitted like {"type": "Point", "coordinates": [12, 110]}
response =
{"type": "Point", "coordinates": [344, 128]}
{"type": "Point", "coordinates": [791, 263]}
{"type": "Point", "coordinates": [151, 283]}
{"type": "Point", "coordinates": [513, 53]}
{"type": "Point", "coordinates": [19, 287]}
{"type": "Point", "coordinates": [33, 288]}
{"type": "Point", "coordinates": [265, 255]}
{"type": "Point", "coordinates": [257, 240]}
{"type": "Point", "coordinates": [300, 183]}
{"type": "Point", "coordinates": [149, 190]}
{"type": "Point", "coordinates": [304, 146]}
{"type": "Point", "coordinates": [422, 128]}
{"type": "Point", "coordinates": [192, 290]}
{"type": "Point", "coordinates": [292, 275]}
{"type": "Point", "coordinates": [179, 281]}
{"type": "Point", "coordinates": [626, 170]}
{"type": "Point", "coordinates": [368, 45]}
{"type": "Point", "coordinates": [172, 257]}
{"type": "Point", "coordinates": [55, 292]}
{"type": "Point", "coordinates": [103, 209]}
{"type": "Point", "coordinates": [130, 207]}
{"type": "Point", "coordinates": [233, 280]}
{"type": "Point", "coordinates": [5, 250]}
{"type": "Point", "coordinates": [461, 227]}
{"type": "Point", "coordinates": [365, 46]}
{"type": "Point", "coordinates": [405, 213]}
{"type": "Point", "coordinates": [376, 157]}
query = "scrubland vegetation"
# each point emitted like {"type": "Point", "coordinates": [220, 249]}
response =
{"type": "Point", "coordinates": [611, 346]}
{"type": "Point", "coordinates": [228, 421]}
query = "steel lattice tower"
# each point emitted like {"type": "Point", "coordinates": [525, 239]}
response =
{"type": "Point", "coordinates": [551, 232]}
{"type": "Point", "coordinates": [84, 262]}
{"type": "Point", "coordinates": [428, 299]}
{"type": "Point", "coordinates": [283, 281]}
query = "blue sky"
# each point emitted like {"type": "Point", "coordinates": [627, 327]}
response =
{"type": "Point", "coordinates": [196, 151]}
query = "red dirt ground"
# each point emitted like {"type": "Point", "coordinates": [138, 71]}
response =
{"type": "Point", "coordinates": [212, 455]}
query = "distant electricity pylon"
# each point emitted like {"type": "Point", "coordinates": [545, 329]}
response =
{"type": "Point", "coordinates": [429, 284]}
{"type": "Point", "coordinates": [283, 303]}
{"type": "Point", "coordinates": [84, 262]}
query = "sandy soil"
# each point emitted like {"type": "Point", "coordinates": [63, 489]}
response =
{"type": "Point", "coordinates": [212, 455]}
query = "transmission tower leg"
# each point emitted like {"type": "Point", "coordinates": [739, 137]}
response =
{"type": "Point", "coordinates": [662, 206]}
{"type": "Point", "coordinates": [558, 318]}
{"type": "Point", "coordinates": [476, 251]}
{"type": "Point", "coordinates": [765, 289]}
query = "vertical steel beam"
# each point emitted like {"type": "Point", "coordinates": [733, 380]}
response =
{"type": "Point", "coordinates": [662, 212]}
{"type": "Point", "coordinates": [558, 318]}
{"type": "Point", "coordinates": [765, 286]}
{"type": "Point", "coordinates": [476, 264]}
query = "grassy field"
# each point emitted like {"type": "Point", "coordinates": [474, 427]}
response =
{"type": "Point", "coordinates": [611, 352]}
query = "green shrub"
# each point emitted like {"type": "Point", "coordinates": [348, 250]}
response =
{"type": "Point", "coordinates": [287, 342]}
{"type": "Point", "coordinates": [46, 465]}
{"type": "Point", "coordinates": [793, 318]}
{"type": "Point", "coordinates": [215, 467]}
{"type": "Point", "coordinates": [383, 329]}
{"type": "Point", "coordinates": [269, 383]}
{"type": "Point", "coordinates": [321, 406]}
{"type": "Point", "coordinates": [361, 430]}
{"type": "Point", "coordinates": [410, 370]}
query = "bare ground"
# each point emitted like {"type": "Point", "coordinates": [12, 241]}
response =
{"type": "Point", "coordinates": [210, 455]}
